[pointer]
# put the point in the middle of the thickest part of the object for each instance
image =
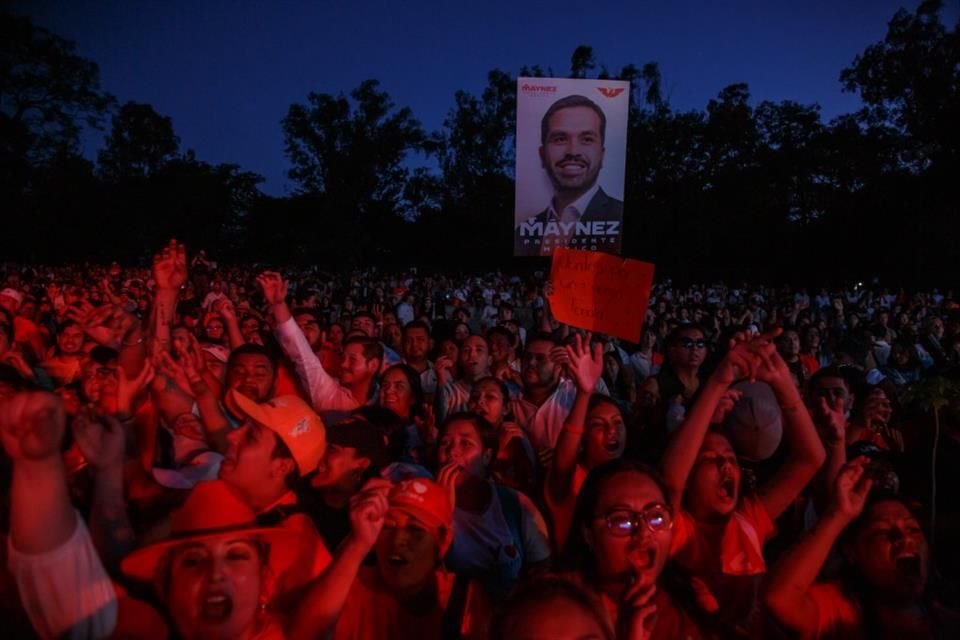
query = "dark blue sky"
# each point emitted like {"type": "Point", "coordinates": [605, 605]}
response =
{"type": "Point", "coordinates": [226, 72]}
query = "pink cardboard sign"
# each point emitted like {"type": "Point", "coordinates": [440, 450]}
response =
{"type": "Point", "coordinates": [600, 292]}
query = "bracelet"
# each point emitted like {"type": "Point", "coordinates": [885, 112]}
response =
{"type": "Point", "coordinates": [133, 344]}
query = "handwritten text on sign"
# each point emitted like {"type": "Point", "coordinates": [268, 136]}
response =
{"type": "Point", "coordinates": [600, 292]}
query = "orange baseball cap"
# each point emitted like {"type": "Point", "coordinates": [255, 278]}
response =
{"type": "Point", "coordinates": [294, 422]}
{"type": "Point", "coordinates": [428, 502]}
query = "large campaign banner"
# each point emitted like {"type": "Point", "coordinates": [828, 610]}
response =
{"type": "Point", "coordinates": [571, 159]}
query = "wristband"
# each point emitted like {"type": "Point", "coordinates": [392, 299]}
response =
{"type": "Point", "coordinates": [577, 431]}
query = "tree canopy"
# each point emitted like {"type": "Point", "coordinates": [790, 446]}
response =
{"type": "Point", "coordinates": [738, 189]}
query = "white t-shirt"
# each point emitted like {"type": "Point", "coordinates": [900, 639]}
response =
{"type": "Point", "coordinates": [483, 541]}
{"type": "Point", "coordinates": [66, 592]}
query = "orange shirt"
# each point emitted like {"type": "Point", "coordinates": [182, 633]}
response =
{"type": "Point", "coordinates": [372, 612]}
{"type": "Point", "coordinates": [561, 513]}
{"type": "Point", "coordinates": [729, 565]}
{"type": "Point", "coordinates": [837, 615]}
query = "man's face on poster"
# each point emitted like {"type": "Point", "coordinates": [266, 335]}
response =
{"type": "Point", "coordinates": [572, 153]}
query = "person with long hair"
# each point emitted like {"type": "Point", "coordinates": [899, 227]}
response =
{"type": "Point", "coordinates": [515, 463]}
{"type": "Point", "coordinates": [721, 528]}
{"type": "Point", "coordinates": [885, 591]}
{"type": "Point", "coordinates": [498, 533]}
{"type": "Point", "coordinates": [594, 432]}
{"type": "Point", "coordinates": [619, 547]}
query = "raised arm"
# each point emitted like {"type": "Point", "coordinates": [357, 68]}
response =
{"type": "Point", "coordinates": [585, 367]}
{"type": "Point", "coordinates": [62, 582]}
{"type": "Point", "coordinates": [112, 326]}
{"type": "Point", "coordinates": [327, 594]}
{"type": "Point", "coordinates": [788, 587]}
{"type": "Point", "coordinates": [805, 453]}
{"type": "Point", "coordinates": [32, 426]}
{"type": "Point", "coordinates": [170, 273]}
{"type": "Point", "coordinates": [325, 392]}
{"type": "Point", "coordinates": [102, 442]}
{"type": "Point", "coordinates": [684, 446]}
{"type": "Point", "coordinates": [229, 314]}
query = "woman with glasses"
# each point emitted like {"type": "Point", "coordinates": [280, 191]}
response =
{"type": "Point", "coordinates": [619, 547]}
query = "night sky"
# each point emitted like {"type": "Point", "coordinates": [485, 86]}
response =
{"type": "Point", "coordinates": [226, 72]}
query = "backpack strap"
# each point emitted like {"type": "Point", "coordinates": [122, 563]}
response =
{"type": "Point", "coordinates": [512, 513]}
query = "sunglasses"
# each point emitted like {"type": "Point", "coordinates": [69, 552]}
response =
{"type": "Point", "coordinates": [623, 523]}
{"type": "Point", "coordinates": [687, 343]}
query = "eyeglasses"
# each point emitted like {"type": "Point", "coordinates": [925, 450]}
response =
{"type": "Point", "coordinates": [106, 372]}
{"type": "Point", "coordinates": [687, 343]}
{"type": "Point", "coordinates": [623, 523]}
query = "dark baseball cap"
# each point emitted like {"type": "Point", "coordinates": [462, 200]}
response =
{"type": "Point", "coordinates": [369, 440]}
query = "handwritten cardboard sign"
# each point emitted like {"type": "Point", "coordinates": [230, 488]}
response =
{"type": "Point", "coordinates": [600, 292]}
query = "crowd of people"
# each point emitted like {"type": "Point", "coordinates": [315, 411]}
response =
{"type": "Point", "coordinates": [195, 450]}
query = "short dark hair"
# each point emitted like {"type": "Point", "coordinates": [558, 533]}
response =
{"type": "Point", "coordinates": [281, 450]}
{"type": "Point", "coordinates": [541, 336]}
{"type": "Point", "coordinates": [506, 333]}
{"type": "Point", "coordinates": [307, 311]}
{"type": "Point", "coordinates": [486, 431]}
{"type": "Point", "coordinates": [569, 102]}
{"type": "Point", "coordinates": [416, 324]}
{"type": "Point", "coordinates": [371, 347]}
{"type": "Point", "coordinates": [251, 349]}
{"type": "Point", "coordinates": [829, 372]}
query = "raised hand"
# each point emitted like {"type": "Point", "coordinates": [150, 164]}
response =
{"type": "Point", "coordinates": [274, 287]}
{"type": "Point", "coordinates": [129, 388]}
{"type": "Point", "coordinates": [427, 425]}
{"type": "Point", "coordinates": [850, 489]}
{"type": "Point", "coordinates": [444, 370]}
{"type": "Point", "coordinates": [173, 370]}
{"type": "Point", "coordinates": [16, 360]}
{"type": "Point", "coordinates": [739, 363]}
{"type": "Point", "coordinates": [560, 359]}
{"type": "Point", "coordinates": [830, 422]}
{"type": "Point", "coordinates": [170, 267]}
{"type": "Point", "coordinates": [100, 439]}
{"type": "Point", "coordinates": [32, 425]}
{"type": "Point", "coordinates": [226, 310]}
{"type": "Point", "coordinates": [584, 362]}
{"type": "Point", "coordinates": [447, 478]}
{"type": "Point", "coordinates": [638, 610]}
{"type": "Point", "coordinates": [107, 325]}
{"type": "Point", "coordinates": [368, 508]}
{"type": "Point", "coordinates": [509, 431]}
{"type": "Point", "coordinates": [729, 399]}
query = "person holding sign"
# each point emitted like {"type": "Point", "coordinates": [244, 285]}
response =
{"type": "Point", "coordinates": [580, 214]}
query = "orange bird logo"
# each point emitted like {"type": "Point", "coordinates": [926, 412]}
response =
{"type": "Point", "coordinates": [610, 93]}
